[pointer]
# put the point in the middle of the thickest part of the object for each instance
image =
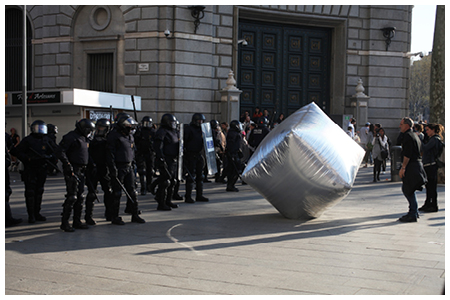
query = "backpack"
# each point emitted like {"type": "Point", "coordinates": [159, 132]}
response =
{"type": "Point", "coordinates": [440, 149]}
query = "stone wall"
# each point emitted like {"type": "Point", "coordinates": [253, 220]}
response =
{"type": "Point", "coordinates": [186, 70]}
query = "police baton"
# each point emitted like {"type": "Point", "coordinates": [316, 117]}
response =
{"type": "Point", "coordinates": [125, 191]}
{"type": "Point", "coordinates": [46, 160]}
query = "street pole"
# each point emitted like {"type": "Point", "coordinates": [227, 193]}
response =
{"type": "Point", "coordinates": [24, 77]}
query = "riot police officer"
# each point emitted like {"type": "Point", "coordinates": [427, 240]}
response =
{"type": "Point", "coordinates": [97, 171]}
{"type": "Point", "coordinates": [74, 155]}
{"type": "Point", "coordinates": [34, 152]}
{"type": "Point", "coordinates": [234, 155]}
{"type": "Point", "coordinates": [144, 153]}
{"type": "Point", "coordinates": [258, 133]}
{"type": "Point", "coordinates": [166, 147]}
{"type": "Point", "coordinates": [120, 156]}
{"type": "Point", "coordinates": [193, 160]}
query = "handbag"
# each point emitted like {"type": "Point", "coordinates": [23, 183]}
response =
{"type": "Point", "coordinates": [384, 153]}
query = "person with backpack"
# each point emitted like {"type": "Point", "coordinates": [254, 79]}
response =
{"type": "Point", "coordinates": [432, 150]}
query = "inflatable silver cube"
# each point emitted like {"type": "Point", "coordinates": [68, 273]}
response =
{"type": "Point", "coordinates": [304, 165]}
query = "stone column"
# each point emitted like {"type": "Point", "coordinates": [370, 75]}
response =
{"type": "Point", "coordinates": [229, 100]}
{"type": "Point", "coordinates": [360, 105]}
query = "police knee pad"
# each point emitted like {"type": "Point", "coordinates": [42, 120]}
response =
{"type": "Point", "coordinates": [165, 183]}
{"type": "Point", "coordinates": [90, 198]}
{"type": "Point", "coordinates": [70, 200]}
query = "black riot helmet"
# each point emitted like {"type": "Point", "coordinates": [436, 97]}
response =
{"type": "Point", "coordinates": [38, 127]}
{"type": "Point", "coordinates": [52, 129]}
{"type": "Point", "coordinates": [127, 124]}
{"type": "Point", "coordinates": [169, 121]}
{"type": "Point", "coordinates": [147, 122]}
{"type": "Point", "coordinates": [121, 115]}
{"type": "Point", "coordinates": [214, 124]}
{"type": "Point", "coordinates": [235, 125]}
{"type": "Point", "coordinates": [85, 127]}
{"type": "Point", "coordinates": [263, 122]}
{"type": "Point", "coordinates": [198, 119]}
{"type": "Point", "coordinates": [102, 127]}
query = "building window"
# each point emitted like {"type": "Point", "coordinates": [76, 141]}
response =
{"type": "Point", "coordinates": [14, 51]}
{"type": "Point", "coordinates": [101, 72]}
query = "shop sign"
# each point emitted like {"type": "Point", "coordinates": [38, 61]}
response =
{"type": "Point", "coordinates": [37, 98]}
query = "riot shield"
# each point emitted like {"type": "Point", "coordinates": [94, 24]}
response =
{"type": "Point", "coordinates": [180, 154]}
{"type": "Point", "coordinates": [210, 152]}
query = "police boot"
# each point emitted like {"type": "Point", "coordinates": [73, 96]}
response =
{"type": "Point", "coordinates": [169, 200]}
{"type": "Point", "coordinates": [176, 195]}
{"type": "Point", "coordinates": [29, 201]}
{"type": "Point", "coordinates": [37, 209]}
{"type": "Point", "coordinates": [188, 197]}
{"type": "Point", "coordinates": [77, 224]}
{"type": "Point", "coordinates": [107, 199]}
{"type": "Point", "coordinates": [160, 197]}
{"type": "Point", "coordinates": [89, 209]}
{"type": "Point", "coordinates": [425, 205]}
{"type": "Point", "coordinates": [199, 189]}
{"type": "Point", "coordinates": [143, 185]}
{"type": "Point", "coordinates": [65, 219]}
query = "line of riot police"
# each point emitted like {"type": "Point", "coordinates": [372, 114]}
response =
{"type": "Point", "coordinates": [112, 155]}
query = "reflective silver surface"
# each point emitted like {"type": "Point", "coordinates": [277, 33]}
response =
{"type": "Point", "coordinates": [304, 165]}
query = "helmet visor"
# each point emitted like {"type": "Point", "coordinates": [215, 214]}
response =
{"type": "Point", "coordinates": [39, 128]}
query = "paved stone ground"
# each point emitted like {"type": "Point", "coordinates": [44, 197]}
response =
{"type": "Point", "coordinates": [235, 244]}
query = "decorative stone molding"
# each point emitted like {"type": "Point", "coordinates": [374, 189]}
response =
{"type": "Point", "coordinates": [100, 17]}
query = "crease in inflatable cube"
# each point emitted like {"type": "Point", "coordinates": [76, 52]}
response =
{"type": "Point", "coordinates": [305, 165]}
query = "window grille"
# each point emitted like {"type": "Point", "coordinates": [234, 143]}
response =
{"type": "Point", "coordinates": [14, 50]}
{"type": "Point", "coordinates": [101, 72]}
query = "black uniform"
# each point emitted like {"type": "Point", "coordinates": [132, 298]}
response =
{"type": "Point", "coordinates": [52, 131]}
{"type": "Point", "coordinates": [9, 219]}
{"type": "Point", "coordinates": [166, 144]}
{"type": "Point", "coordinates": [234, 154]}
{"type": "Point", "coordinates": [145, 156]}
{"type": "Point", "coordinates": [97, 171]}
{"type": "Point", "coordinates": [74, 155]}
{"type": "Point", "coordinates": [33, 151]}
{"type": "Point", "coordinates": [193, 160]}
{"type": "Point", "coordinates": [120, 156]}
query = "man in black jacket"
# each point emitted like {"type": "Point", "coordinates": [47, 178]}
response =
{"type": "Point", "coordinates": [412, 172]}
{"type": "Point", "coordinates": [193, 159]}
{"type": "Point", "coordinates": [119, 157]}
{"type": "Point", "coordinates": [34, 152]}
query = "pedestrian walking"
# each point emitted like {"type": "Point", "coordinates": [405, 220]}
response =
{"type": "Point", "coordinates": [412, 173]}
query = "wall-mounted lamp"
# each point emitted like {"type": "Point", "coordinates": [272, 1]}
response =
{"type": "Point", "coordinates": [243, 42]}
{"type": "Point", "coordinates": [197, 13]}
{"type": "Point", "coordinates": [388, 33]}
{"type": "Point", "coordinates": [410, 54]}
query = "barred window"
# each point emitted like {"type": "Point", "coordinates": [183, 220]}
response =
{"type": "Point", "coordinates": [101, 72]}
{"type": "Point", "coordinates": [14, 50]}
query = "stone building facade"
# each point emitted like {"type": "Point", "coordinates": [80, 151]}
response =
{"type": "Point", "coordinates": [159, 54]}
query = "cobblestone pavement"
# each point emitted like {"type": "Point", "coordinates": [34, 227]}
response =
{"type": "Point", "coordinates": [236, 244]}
